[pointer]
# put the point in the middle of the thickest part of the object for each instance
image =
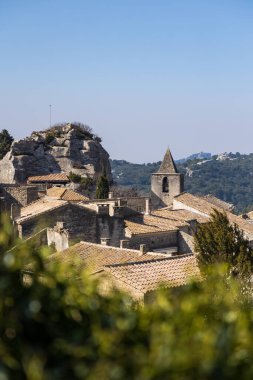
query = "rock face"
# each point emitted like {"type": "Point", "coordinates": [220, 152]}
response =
{"type": "Point", "coordinates": [66, 148]}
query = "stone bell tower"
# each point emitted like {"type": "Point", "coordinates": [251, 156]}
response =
{"type": "Point", "coordinates": [166, 183]}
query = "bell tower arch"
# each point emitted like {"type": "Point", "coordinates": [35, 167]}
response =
{"type": "Point", "coordinates": [166, 183]}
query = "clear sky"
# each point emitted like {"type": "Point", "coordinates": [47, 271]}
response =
{"type": "Point", "coordinates": [143, 74]}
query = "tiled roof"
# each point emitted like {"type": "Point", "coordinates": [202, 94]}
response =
{"type": "Point", "coordinates": [198, 203]}
{"type": "Point", "coordinates": [139, 227]}
{"type": "Point", "coordinates": [39, 207]}
{"type": "Point", "coordinates": [242, 224]}
{"type": "Point", "coordinates": [54, 177]}
{"type": "Point", "coordinates": [179, 215]}
{"type": "Point", "coordinates": [147, 276]}
{"type": "Point", "coordinates": [168, 165]}
{"type": "Point", "coordinates": [202, 205]}
{"type": "Point", "coordinates": [66, 194]}
{"type": "Point", "coordinates": [162, 220]}
{"type": "Point", "coordinates": [250, 215]}
{"type": "Point", "coordinates": [94, 257]}
{"type": "Point", "coordinates": [218, 202]}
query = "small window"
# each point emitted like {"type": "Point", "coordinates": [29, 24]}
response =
{"type": "Point", "coordinates": [165, 185]}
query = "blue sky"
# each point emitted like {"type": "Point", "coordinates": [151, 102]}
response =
{"type": "Point", "coordinates": [143, 74]}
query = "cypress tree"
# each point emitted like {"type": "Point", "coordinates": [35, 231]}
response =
{"type": "Point", "coordinates": [102, 189]}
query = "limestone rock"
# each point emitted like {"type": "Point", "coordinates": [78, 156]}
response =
{"type": "Point", "coordinates": [66, 148]}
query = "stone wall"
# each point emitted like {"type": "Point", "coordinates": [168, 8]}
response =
{"type": "Point", "coordinates": [59, 237]}
{"type": "Point", "coordinates": [15, 197]}
{"type": "Point", "coordinates": [175, 187]}
{"type": "Point", "coordinates": [185, 241]}
{"type": "Point", "coordinates": [135, 203]}
{"type": "Point", "coordinates": [81, 223]}
{"type": "Point", "coordinates": [23, 195]}
{"type": "Point", "coordinates": [153, 241]}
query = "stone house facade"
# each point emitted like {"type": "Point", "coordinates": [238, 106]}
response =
{"type": "Point", "coordinates": [14, 197]}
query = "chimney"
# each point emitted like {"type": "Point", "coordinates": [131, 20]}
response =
{"type": "Point", "coordinates": [60, 225]}
{"type": "Point", "coordinates": [105, 241]}
{"type": "Point", "coordinates": [110, 195]}
{"type": "Point", "coordinates": [193, 225]}
{"type": "Point", "coordinates": [103, 209]}
{"type": "Point", "coordinates": [58, 236]}
{"type": "Point", "coordinates": [143, 249]}
{"type": "Point", "coordinates": [147, 206]}
{"type": "Point", "coordinates": [15, 211]}
{"type": "Point", "coordinates": [124, 243]}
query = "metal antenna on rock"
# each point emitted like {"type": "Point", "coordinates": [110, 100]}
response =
{"type": "Point", "coordinates": [50, 114]}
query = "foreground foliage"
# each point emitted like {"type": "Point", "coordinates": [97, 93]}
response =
{"type": "Point", "coordinates": [58, 327]}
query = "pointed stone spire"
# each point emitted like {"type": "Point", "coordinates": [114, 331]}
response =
{"type": "Point", "coordinates": [168, 165]}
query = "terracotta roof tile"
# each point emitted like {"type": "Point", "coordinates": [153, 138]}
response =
{"type": "Point", "coordinates": [218, 202]}
{"type": "Point", "coordinates": [139, 227]}
{"type": "Point", "coordinates": [162, 220]}
{"type": "Point", "coordinates": [58, 177]}
{"type": "Point", "coordinates": [179, 215]}
{"type": "Point", "coordinates": [94, 257]}
{"type": "Point", "coordinates": [56, 192]}
{"type": "Point", "coordinates": [147, 276]}
{"type": "Point", "coordinates": [39, 207]}
{"type": "Point", "coordinates": [66, 194]}
{"type": "Point", "coordinates": [198, 203]}
{"type": "Point", "coordinates": [202, 205]}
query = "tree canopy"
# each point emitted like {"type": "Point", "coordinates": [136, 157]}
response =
{"type": "Point", "coordinates": [219, 241]}
{"type": "Point", "coordinates": [230, 179]}
{"type": "Point", "coordinates": [56, 325]}
{"type": "Point", "coordinates": [5, 142]}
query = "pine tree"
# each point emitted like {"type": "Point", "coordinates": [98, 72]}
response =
{"type": "Point", "coordinates": [5, 142]}
{"type": "Point", "coordinates": [218, 241]}
{"type": "Point", "coordinates": [102, 189]}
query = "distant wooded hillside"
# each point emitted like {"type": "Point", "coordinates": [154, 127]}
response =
{"type": "Point", "coordinates": [227, 176]}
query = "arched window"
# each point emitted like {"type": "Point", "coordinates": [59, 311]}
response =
{"type": "Point", "coordinates": [165, 185]}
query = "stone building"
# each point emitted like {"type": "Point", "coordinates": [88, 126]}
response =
{"type": "Point", "coordinates": [166, 183]}
{"type": "Point", "coordinates": [14, 197]}
{"type": "Point", "coordinates": [204, 206]}
{"type": "Point", "coordinates": [128, 222]}
{"type": "Point", "coordinates": [83, 221]}
{"type": "Point", "coordinates": [49, 180]}
{"type": "Point", "coordinates": [124, 242]}
{"type": "Point", "coordinates": [107, 221]}
{"type": "Point", "coordinates": [136, 272]}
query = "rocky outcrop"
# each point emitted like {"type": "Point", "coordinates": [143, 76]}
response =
{"type": "Point", "coordinates": [66, 148]}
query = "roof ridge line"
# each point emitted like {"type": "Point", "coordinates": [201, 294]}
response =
{"type": "Point", "coordinates": [110, 246]}
{"type": "Point", "coordinates": [149, 261]}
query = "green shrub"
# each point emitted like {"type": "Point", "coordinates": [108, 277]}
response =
{"type": "Point", "coordinates": [50, 136]}
{"type": "Point", "coordinates": [5, 142]}
{"type": "Point", "coordinates": [76, 178]}
{"type": "Point", "coordinates": [86, 183]}
{"type": "Point", "coordinates": [58, 326]}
